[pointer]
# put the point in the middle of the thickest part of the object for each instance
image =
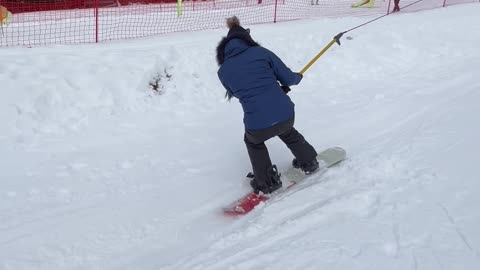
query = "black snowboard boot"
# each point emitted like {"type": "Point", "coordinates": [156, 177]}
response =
{"type": "Point", "coordinates": [308, 167]}
{"type": "Point", "coordinates": [272, 184]}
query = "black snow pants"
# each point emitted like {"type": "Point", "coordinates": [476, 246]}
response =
{"type": "Point", "coordinates": [258, 153]}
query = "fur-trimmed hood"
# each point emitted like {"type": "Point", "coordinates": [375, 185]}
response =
{"type": "Point", "coordinates": [222, 55]}
{"type": "Point", "coordinates": [236, 32]}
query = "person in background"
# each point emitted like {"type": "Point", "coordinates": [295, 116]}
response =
{"type": "Point", "coordinates": [396, 8]}
{"type": "Point", "coordinates": [5, 15]}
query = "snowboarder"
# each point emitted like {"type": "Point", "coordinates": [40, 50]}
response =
{"type": "Point", "coordinates": [251, 73]}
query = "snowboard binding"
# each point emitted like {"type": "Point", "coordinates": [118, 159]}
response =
{"type": "Point", "coordinates": [272, 183]}
{"type": "Point", "coordinates": [308, 167]}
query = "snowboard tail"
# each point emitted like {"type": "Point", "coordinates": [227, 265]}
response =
{"type": "Point", "coordinates": [290, 178]}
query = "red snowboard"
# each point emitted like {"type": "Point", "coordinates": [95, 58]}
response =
{"type": "Point", "coordinates": [292, 176]}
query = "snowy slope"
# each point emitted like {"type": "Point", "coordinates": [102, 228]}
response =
{"type": "Point", "coordinates": [99, 173]}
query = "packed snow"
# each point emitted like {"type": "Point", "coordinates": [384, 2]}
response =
{"type": "Point", "coordinates": [98, 171]}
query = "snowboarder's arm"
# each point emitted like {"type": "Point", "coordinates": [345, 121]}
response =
{"type": "Point", "coordinates": [284, 75]}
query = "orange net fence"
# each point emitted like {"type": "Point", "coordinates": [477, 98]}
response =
{"type": "Point", "coordinates": [44, 22]}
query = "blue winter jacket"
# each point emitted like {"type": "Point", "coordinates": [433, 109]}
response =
{"type": "Point", "coordinates": [251, 74]}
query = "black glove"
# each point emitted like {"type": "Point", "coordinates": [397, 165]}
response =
{"type": "Point", "coordinates": [301, 76]}
{"type": "Point", "coordinates": [285, 89]}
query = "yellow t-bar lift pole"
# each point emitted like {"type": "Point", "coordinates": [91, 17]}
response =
{"type": "Point", "coordinates": [335, 39]}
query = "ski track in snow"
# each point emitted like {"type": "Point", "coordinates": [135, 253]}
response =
{"type": "Point", "coordinates": [99, 173]}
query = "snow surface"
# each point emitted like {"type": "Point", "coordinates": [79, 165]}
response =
{"type": "Point", "coordinates": [98, 172]}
